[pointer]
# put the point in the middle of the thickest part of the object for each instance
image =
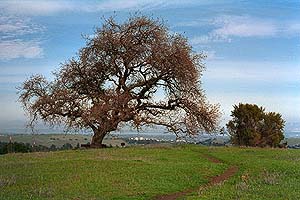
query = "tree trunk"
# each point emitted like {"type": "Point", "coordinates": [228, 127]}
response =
{"type": "Point", "coordinates": [98, 138]}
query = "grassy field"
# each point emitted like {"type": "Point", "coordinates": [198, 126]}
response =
{"type": "Point", "coordinates": [56, 139]}
{"type": "Point", "coordinates": [144, 172]}
{"type": "Point", "coordinates": [263, 174]}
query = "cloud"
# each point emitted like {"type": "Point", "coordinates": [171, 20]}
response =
{"type": "Point", "coordinates": [13, 26]}
{"type": "Point", "coordinates": [121, 5]}
{"type": "Point", "coordinates": [274, 85]}
{"type": "Point", "coordinates": [288, 106]}
{"type": "Point", "coordinates": [6, 79]}
{"type": "Point", "coordinates": [210, 38]}
{"type": "Point", "coordinates": [30, 7]}
{"type": "Point", "coordinates": [14, 43]}
{"type": "Point", "coordinates": [226, 27]}
{"type": "Point", "coordinates": [243, 26]}
{"type": "Point", "coordinates": [253, 72]}
{"type": "Point", "coordinates": [47, 7]}
{"type": "Point", "coordinates": [292, 28]}
{"type": "Point", "coordinates": [17, 49]}
{"type": "Point", "coordinates": [211, 55]}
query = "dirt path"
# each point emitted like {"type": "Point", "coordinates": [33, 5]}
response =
{"type": "Point", "coordinates": [213, 181]}
{"type": "Point", "coordinates": [211, 159]}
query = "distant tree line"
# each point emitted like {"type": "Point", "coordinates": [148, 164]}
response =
{"type": "Point", "coordinates": [20, 147]}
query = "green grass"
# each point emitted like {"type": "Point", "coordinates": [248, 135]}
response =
{"type": "Point", "coordinates": [144, 172]}
{"type": "Point", "coordinates": [57, 139]}
{"type": "Point", "coordinates": [116, 173]}
{"type": "Point", "coordinates": [263, 174]}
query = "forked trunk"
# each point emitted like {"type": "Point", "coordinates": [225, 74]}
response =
{"type": "Point", "coordinates": [97, 139]}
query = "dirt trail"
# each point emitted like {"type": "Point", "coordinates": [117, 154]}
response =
{"type": "Point", "coordinates": [213, 181]}
{"type": "Point", "coordinates": [211, 159]}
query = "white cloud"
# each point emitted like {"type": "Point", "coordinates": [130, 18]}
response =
{"type": "Point", "coordinates": [118, 5]}
{"type": "Point", "coordinates": [13, 43]}
{"type": "Point", "coordinates": [243, 26]}
{"type": "Point", "coordinates": [17, 49]}
{"type": "Point", "coordinates": [229, 26]}
{"type": "Point", "coordinates": [253, 72]}
{"type": "Point", "coordinates": [31, 7]}
{"type": "Point", "coordinates": [12, 26]}
{"type": "Point", "coordinates": [11, 78]}
{"type": "Point", "coordinates": [206, 39]}
{"type": "Point", "coordinates": [292, 28]}
{"type": "Point", "coordinates": [273, 85]}
{"type": "Point", "coordinates": [211, 55]}
{"type": "Point", "coordinates": [48, 7]}
{"type": "Point", "coordinates": [288, 106]}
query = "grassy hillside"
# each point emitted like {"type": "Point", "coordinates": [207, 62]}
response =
{"type": "Point", "coordinates": [263, 174]}
{"type": "Point", "coordinates": [56, 139]}
{"type": "Point", "coordinates": [145, 172]}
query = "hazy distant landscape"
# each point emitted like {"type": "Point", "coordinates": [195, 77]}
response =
{"type": "Point", "coordinates": [19, 127]}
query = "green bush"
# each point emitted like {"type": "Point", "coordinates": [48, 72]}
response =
{"type": "Point", "coordinates": [252, 126]}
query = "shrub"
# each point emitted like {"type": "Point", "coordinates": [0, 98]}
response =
{"type": "Point", "coordinates": [252, 126]}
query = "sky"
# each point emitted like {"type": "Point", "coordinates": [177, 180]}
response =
{"type": "Point", "coordinates": [252, 46]}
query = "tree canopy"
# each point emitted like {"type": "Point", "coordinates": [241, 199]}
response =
{"type": "Point", "coordinates": [252, 126]}
{"type": "Point", "coordinates": [133, 72]}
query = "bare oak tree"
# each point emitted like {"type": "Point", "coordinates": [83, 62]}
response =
{"type": "Point", "coordinates": [134, 72]}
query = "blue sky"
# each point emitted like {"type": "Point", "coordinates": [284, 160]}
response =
{"type": "Point", "coordinates": [252, 46]}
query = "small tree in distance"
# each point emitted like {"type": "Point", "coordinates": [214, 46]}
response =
{"type": "Point", "coordinates": [135, 72]}
{"type": "Point", "coordinates": [252, 126]}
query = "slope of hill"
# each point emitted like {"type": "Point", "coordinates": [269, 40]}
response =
{"type": "Point", "coordinates": [151, 172]}
{"type": "Point", "coordinates": [56, 139]}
